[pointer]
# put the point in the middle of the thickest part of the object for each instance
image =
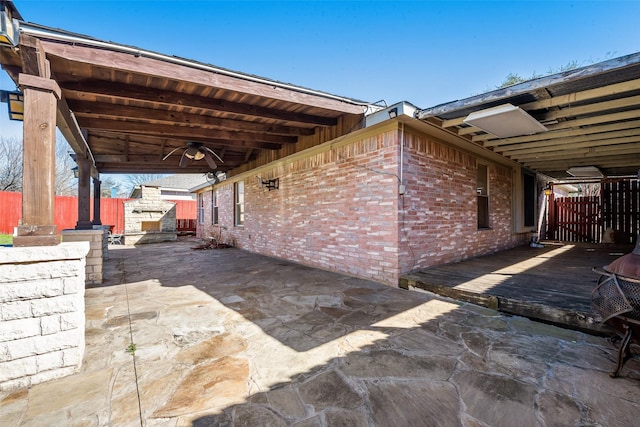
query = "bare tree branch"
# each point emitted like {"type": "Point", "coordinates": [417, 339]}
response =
{"type": "Point", "coordinates": [10, 164]}
{"type": "Point", "coordinates": [66, 183]}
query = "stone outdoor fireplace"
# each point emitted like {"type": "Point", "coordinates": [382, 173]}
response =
{"type": "Point", "coordinates": [149, 219]}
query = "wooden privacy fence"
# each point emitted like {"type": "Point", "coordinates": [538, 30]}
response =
{"type": "Point", "coordinates": [66, 212]}
{"type": "Point", "coordinates": [575, 219]}
{"type": "Point", "coordinates": [584, 219]}
{"type": "Point", "coordinates": [621, 209]}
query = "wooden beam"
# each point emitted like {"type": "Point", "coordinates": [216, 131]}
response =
{"type": "Point", "coordinates": [618, 120]}
{"type": "Point", "coordinates": [38, 177]}
{"type": "Point", "coordinates": [91, 109]}
{"type": "Point", "coordinates": [187, 132]}
{"type": "Point", "coordinates": [600, 161]}
{"type": "Point", "coordinates": [597, 107]}
{"type": "Point", "coordinates": [582, 96]}
{"type": "Point", "coordinates": [618, 149]}
{"type": "Point", "coordinates": [79, 90]}
{"type": "Point", "coordinates": [102, 139]}
{"type": "Point", "coordinates": [615, 125]}
{"type": "Point", "coordinates": [135, 64]}
{"type": "Point", "coordinates": [35, 63]}
{"type": "Point", "coordinates": [586, 141]}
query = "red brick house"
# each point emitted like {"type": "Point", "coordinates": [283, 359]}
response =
{"type": "Point", "coordinates": [392, 197]}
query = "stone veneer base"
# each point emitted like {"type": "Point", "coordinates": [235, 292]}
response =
{"type": "Point", "coordinates": [42, 319]}
{"type": "Point", "coordinates": [95, 258]}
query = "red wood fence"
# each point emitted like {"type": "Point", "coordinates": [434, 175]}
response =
{"type": "Point", "coordinates": [584, 219]}
{"type": "Point", "coordinates": [66, 212]}
{"type": "Point", "coordinates": [575, 219]}
{"type": "Point", "coordinates": [621, 209]}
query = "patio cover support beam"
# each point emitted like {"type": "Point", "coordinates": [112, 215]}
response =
{"type": "Point", "coordinates": [38, 227]}
{"type": "Point", "coordinates": [96, 201]}
{"type": "Point", "coordinates": [84, 194]}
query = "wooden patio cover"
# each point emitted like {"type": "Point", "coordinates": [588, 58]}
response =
{"type": "Point", "coordinates": [129, 107]}
{"type": "Point", "coordinates": [592, 115]}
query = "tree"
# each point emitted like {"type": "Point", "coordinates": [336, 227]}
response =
{"type": "Point", "coordinates": [107, 185]}
{"type": "Point", "coordinates": [10, 164]}
{"type": "Point", "coordinates": [515, 78]}
{"type": "Point", "coordinates": [11, 167]}
{"type": "Point", "coordinates": [141, 178]}
{"type": "Point", "coordinates": [66, 183]}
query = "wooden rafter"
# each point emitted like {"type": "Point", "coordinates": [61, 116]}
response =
{"type": "Point", "coordinates": [93, 109]}
{"type": "Point", "coordinates": [138, 64]}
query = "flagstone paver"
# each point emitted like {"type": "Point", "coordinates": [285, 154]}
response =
{"type": "Point", "coordinates": [229, 338]}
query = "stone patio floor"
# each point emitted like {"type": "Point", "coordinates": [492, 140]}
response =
{"type": "Point", "coordinates": [226, 337]}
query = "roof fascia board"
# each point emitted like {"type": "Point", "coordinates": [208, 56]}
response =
{"type": "Point", "coordinates": [146, 62]}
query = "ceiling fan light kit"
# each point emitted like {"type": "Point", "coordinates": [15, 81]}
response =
{"type": "Point", "coordinates": [196, 151]}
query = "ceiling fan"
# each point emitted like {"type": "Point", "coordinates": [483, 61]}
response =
{"type": "Point", "coordinates": [195, 151]}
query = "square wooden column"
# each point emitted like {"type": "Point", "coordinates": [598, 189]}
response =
{"type": "Point", "coordinates": [96, 201]}
{"type": "Point", "coordinates": [84, 193]}
{"type": "Point", "coordinates": [38, 227]}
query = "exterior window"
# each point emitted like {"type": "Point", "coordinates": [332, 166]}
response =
{"type": "Point", "coordinates": [482, 190]}
{"type": "Point", "coordinates": [200, 208]}
{"type": "Point", "coordinates": [239, 200]}
{"type": "Point", "coordinates": [214, 207]}
{"type": "Point", "coordinates": [529, 187]}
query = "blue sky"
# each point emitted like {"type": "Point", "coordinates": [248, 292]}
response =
{"type": "Point", "coordinates": [424, 52]}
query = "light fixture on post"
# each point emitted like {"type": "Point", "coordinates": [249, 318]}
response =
{"type": "Point", "coordinates": [505, 121]}
{"type": "Point", "coordinates": [75, 170]}
{"type": "Point", "coordinates": [15, 102]}
{"type": "Point", "coordinates": [8, 25]}
{"type": "Point", "coordinates": [271, 184]}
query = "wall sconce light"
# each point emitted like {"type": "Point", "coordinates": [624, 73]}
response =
{"type": "Point", "coordinates": [76, 172]}
{"type": "Point", "coordinates": [271, 184]}
{"type": "Point", "coordinates": [15, 102]}
{"type": "Point", "coordinates": [548, 190]}
{"type": "Point", "coordinates": [393, 113]}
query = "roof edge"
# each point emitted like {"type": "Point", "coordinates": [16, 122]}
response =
{"type": "Point", "coordinates": [530, 85]}
{"type": "Point", "coordinates": [38, 30]}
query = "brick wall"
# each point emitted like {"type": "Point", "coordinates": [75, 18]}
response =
{"type": "Point", "coordinates": [335, 209]}
{"type": "Point", "coordinates": [340, 209]}
{"type": "Point", "coordinates": [439, 209]}
{"type": "Point", "coordinates": [41, 313]}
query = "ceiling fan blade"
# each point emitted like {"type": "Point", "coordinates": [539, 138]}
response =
{"type": "Point", "coordinates": [172, 151]}
{"type": "Point", "coordinates": [209, 159]}
{"type": "Point", "coordinates": [213, 152]}
{"type": "Point", "coordinates": [184, 160]}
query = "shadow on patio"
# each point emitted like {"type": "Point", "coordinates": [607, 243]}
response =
{"type": "Point", "coordinates": [225, 337]}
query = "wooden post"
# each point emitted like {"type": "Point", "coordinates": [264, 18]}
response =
{"type": "Point", "coordinates": [38, 227]}
{"type": "Point", "coordinates": [552, 226]}
{"type": "Point", "coordinates": [84, 193]}
{"type": "Point", "coordinates": [96, 201]}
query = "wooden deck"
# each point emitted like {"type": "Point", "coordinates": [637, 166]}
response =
{"type": "Point", "coordinates": [551, 284]}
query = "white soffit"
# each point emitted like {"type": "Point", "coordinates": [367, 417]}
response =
{"type": "Point", "coordinates": [585, 171]}
{"type": "Point", "coordinates": [505, 121]}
